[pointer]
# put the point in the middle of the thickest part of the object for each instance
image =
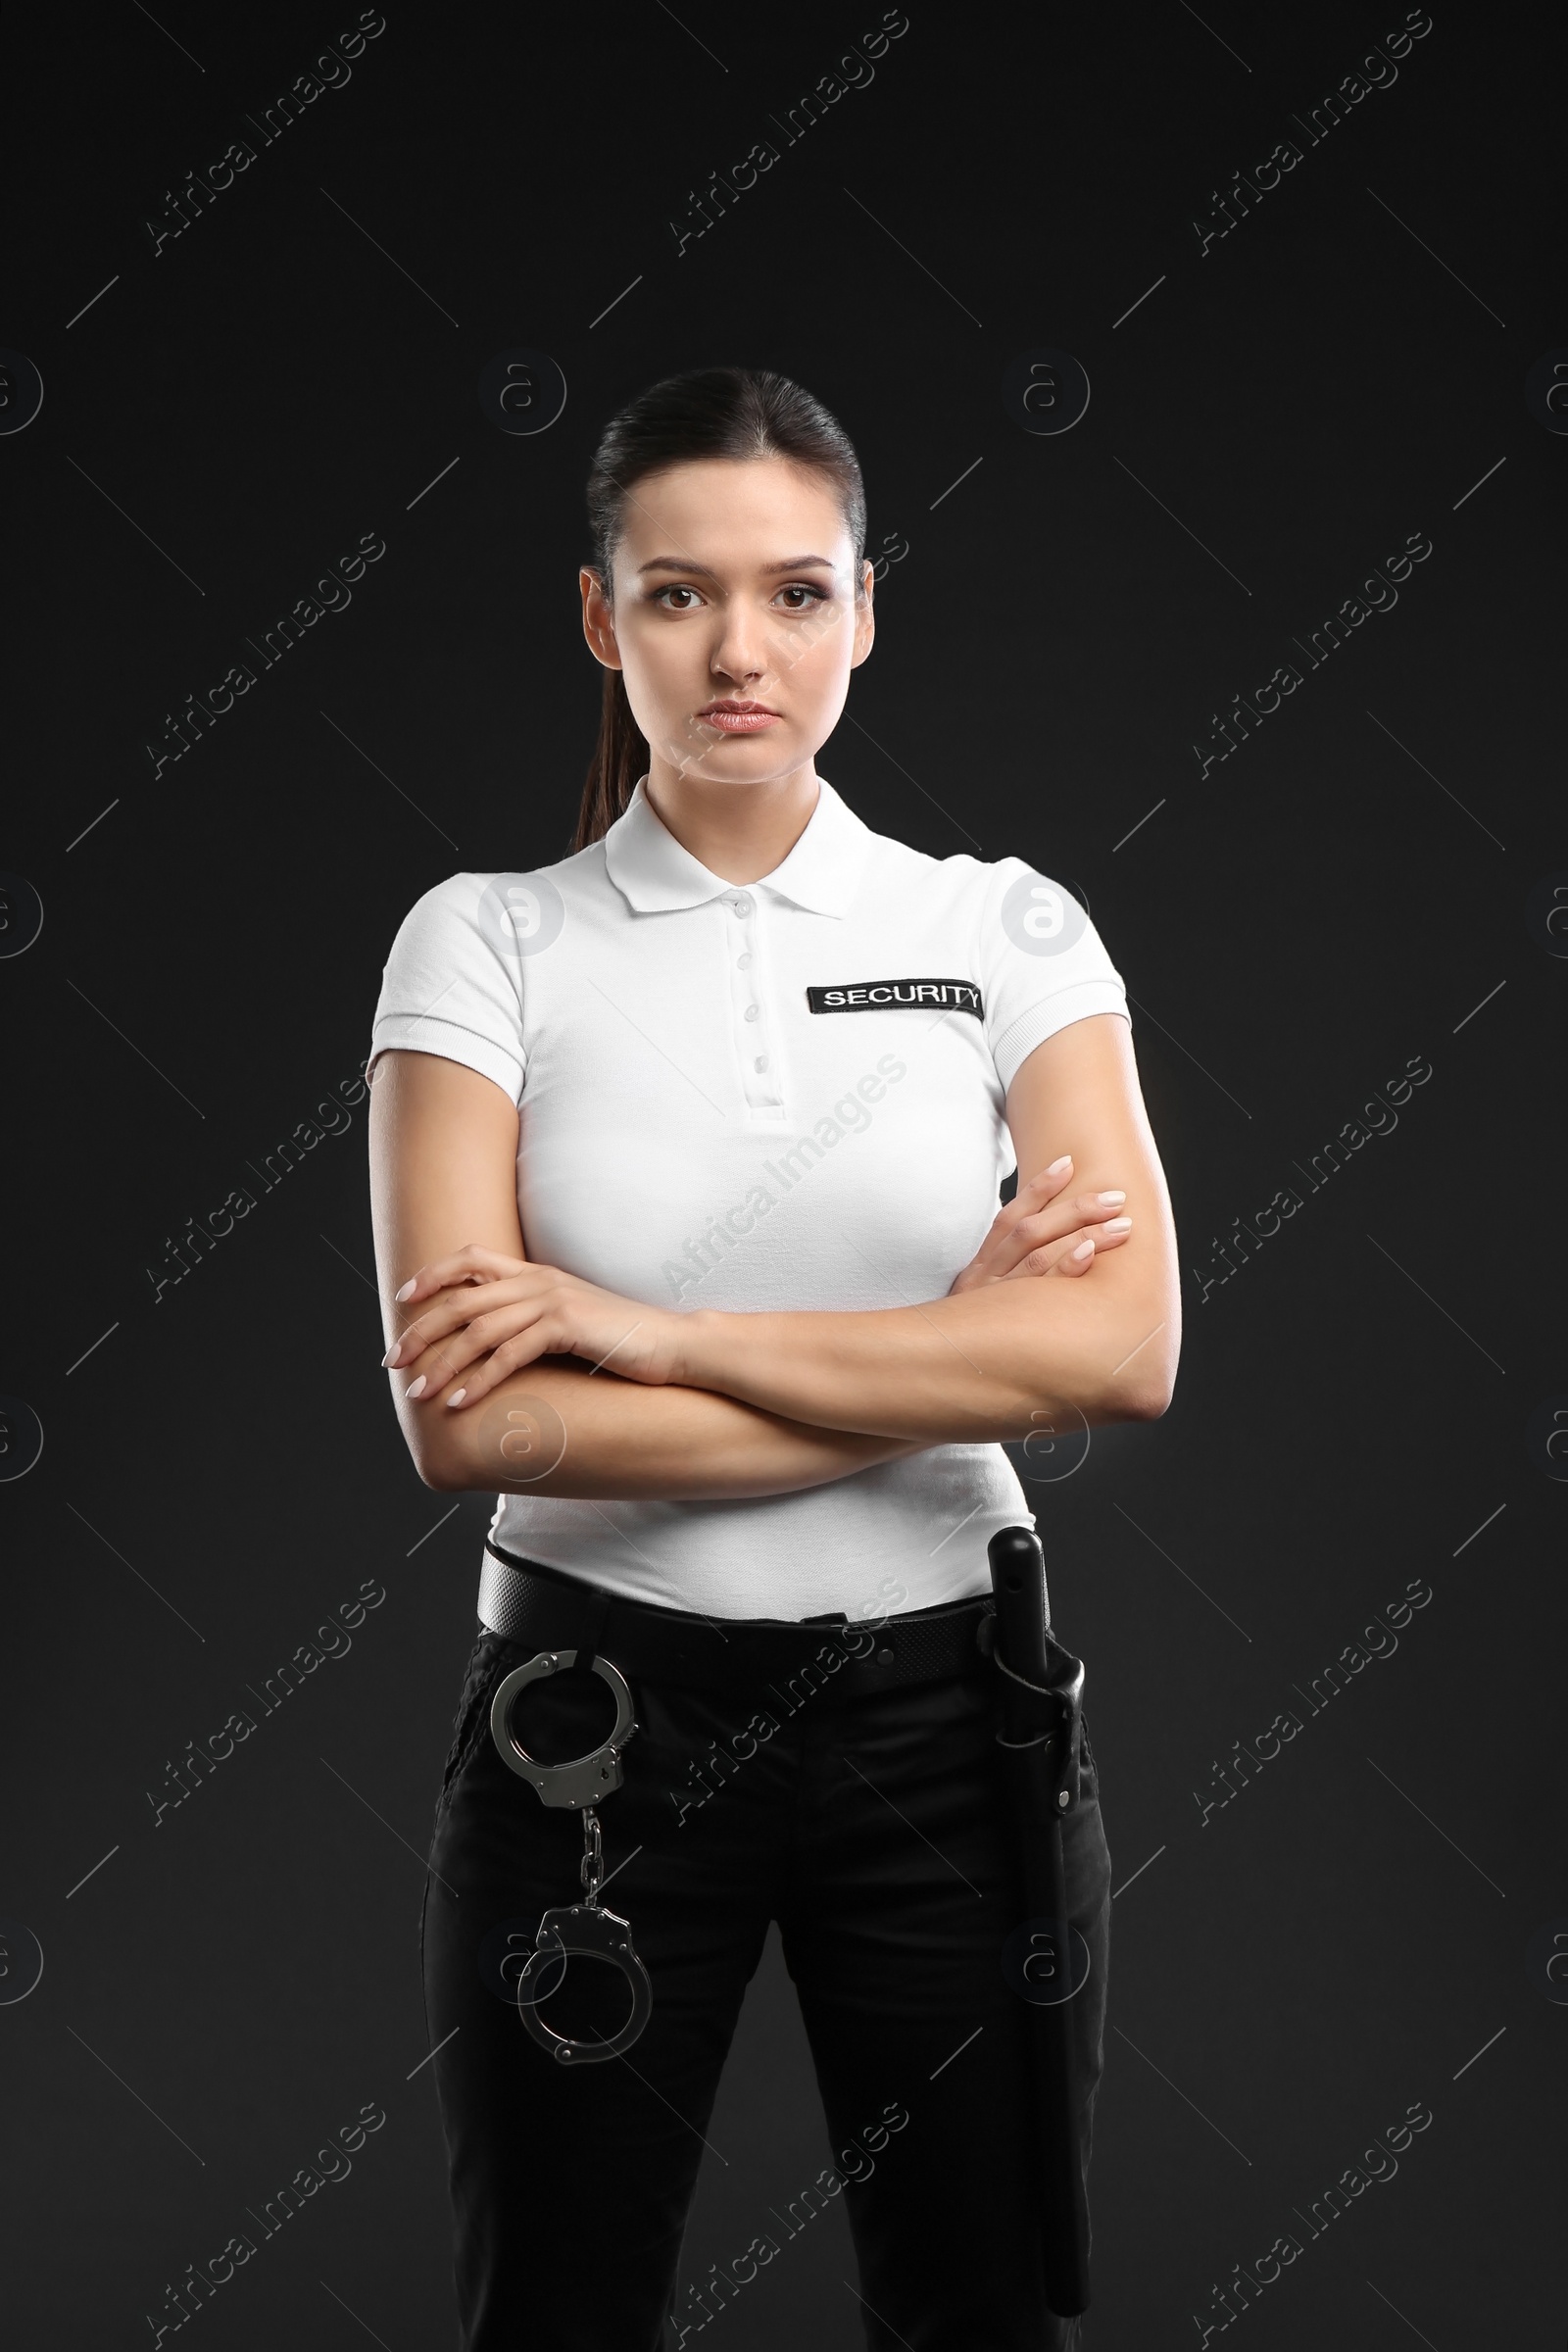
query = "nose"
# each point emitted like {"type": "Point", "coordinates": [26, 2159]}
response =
{"type": "Point", "coordinates": [744, 652]}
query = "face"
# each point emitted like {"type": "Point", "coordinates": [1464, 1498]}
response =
{"type": "Point", "coordinates": [734, 584]}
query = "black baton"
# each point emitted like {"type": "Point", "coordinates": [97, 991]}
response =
{"type": "Point", "coordinates": [1041, 1698]}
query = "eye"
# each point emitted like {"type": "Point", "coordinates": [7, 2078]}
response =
{"type": "Point", "coordinates": [814, 595]}
{"type": "Point", "coordinates": [675, 588]}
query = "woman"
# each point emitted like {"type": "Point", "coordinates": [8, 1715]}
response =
{"type": "Point", "coordinates": [686, 1152]}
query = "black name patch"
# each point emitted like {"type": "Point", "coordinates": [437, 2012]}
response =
{"type": "Point", "coordinates": [885, 995]}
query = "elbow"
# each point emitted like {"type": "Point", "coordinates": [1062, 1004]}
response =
{"type": "Point", "coordinates": [1150, 1394]}
{"type": "Point", "coordinates": [440, 1470]}
{"type": "Point", "coordinates": [1124, 1399]}
{"type": "Point", "coordinates": [1140, 1393]}
{"type": "Point", "coordinates": [1144, 1384]}
{"type": "Point", "coordinates": [432, 1462]}
{"type": "Point", "coordinates": [433, 1447]}
{"type": "Point", "coordinates": [1148, 1401]}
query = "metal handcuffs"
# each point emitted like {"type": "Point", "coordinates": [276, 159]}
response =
{"type": "Point", "coordinates": [585, 1927]}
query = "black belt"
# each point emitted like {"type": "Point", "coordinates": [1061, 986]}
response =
{"type": "Point", "coordinates": [542, 1608]}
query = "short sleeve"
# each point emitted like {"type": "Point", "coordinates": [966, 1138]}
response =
{"type": "Point", "coordinates": [446, 990]}
{"type": "Point", "coordinates": [1042, 963]}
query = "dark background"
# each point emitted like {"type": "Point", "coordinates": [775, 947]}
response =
{"type": "Point", "coordinates": [1350, 1935]}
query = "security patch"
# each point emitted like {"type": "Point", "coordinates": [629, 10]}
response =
{"type": "Point", "coordinates": [886, 996]}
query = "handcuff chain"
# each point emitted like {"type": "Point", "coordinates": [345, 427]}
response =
{"type": "Point", "coordinates": [592, 1869]}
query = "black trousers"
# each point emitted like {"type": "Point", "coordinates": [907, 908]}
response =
{"type": "Point", "coordinates": [873, 1829]}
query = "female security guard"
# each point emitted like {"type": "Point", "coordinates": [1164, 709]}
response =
{"type": "Point", "coordinates": [685, 1153]}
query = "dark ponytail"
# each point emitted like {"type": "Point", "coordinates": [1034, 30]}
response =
{"type": "Point", "coordinates": [734, 412]}
{"type": "Point", "coordinates": [620, 757]}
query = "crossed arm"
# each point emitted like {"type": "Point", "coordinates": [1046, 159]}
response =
{"type": "Point", "coordinates": [501, 1370]}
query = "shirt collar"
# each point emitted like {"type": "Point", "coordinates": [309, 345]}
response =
{"type": "Point", "coordinates": [653, 873]}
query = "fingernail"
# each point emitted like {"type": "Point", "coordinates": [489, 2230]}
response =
{"type": "Point", "coordinates": [1057, 1165]}
{"type": "Point", "coordinates": [415, 1388]}
{"type": "Point", "coordinates": [407, 1290]}
{"type": "Point", "coordinates": [391, 1355]}
{"type": "Point", "coordinates": [1084, 1249]}
{"type": "Point", "coordinates": [456, 1396]}
{"type": "Point", "coordinates": [1110, 1200]}
{"type": "Point", "coordinates": [1119, 1225]}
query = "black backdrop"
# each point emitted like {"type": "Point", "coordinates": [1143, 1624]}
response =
{"type": "Point", "coordinates": [1320, 1602]}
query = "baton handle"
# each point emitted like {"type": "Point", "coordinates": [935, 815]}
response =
{"type": "Point", "coordinates": [1018, 1581]}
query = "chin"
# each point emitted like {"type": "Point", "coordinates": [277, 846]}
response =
{"type": "Point", "coordinates": [749, 759]}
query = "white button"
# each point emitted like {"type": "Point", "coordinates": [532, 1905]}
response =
{"type": "Point", "coordinates": [743, 961]}
{"type": "Point", "coordinates": [751, 1012]}
{"type": "Point", "coordinates": [760, 1063]}
{"type": "Point", "coordinates": [741, 905]}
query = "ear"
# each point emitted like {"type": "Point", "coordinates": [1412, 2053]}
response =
{"type": "Point", "coordinates": [865, 616]}
{"type": "Point", "coordinates": [598, 624]}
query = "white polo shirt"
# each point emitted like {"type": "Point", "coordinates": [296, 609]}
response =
{"type": "Point", "coordinates": [784, 1094]}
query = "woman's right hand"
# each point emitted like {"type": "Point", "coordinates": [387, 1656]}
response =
{"type": "Point", "coordinates": [1039, 1232]}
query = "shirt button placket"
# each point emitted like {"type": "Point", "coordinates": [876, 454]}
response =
{"type": "Point", "coordinates": [746, 996]}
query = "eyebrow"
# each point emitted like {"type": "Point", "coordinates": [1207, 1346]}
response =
{"type": "Point", "coordinates": [677, 564]}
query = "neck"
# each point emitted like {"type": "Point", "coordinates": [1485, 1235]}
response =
{"type": "Point", "coordinates": [739, 831]}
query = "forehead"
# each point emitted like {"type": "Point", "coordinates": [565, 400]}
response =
{"type": "Point", "coordinates": [735, 512]}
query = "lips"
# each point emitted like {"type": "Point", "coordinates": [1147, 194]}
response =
{"type": "Point", "coordinates": [740, 718]}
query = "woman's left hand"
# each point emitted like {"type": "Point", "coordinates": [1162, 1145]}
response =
{"type": "Point", "coordinates": [482, 1304]}
{"type": "Point", "coordinates": [1039, 1232]}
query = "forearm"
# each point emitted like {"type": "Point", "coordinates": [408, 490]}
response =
{"type": "Point", "coordinates": [555, 1428]}
{"type": "Point", "coordinates": [985, 1365]}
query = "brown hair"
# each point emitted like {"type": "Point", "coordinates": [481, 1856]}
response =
{"type": "Point", "coordinates": [733, 412]}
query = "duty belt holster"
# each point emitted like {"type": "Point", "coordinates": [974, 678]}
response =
{"type": "Point", "coordinates": [583, 1929]}
{"type": "Point", "coordinates": [1040, 1707]}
